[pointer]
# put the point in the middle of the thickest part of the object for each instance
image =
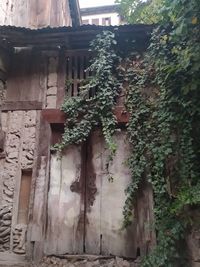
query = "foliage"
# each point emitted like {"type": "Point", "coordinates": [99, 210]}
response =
{"type": "Point", "coordinates": [83, 113]}
{"type": "Point", "coordinates": [164, 128]}
{"type": "Point", "coordinates": [163, 100]}
{"type": "Point", "coordinates": [140, 11]}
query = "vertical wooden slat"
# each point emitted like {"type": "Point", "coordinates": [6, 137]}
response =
{"type": "Point", "coordinates": [24, 196]}
{"type": "Point", "coordinates": [39, 190]}
{"type": "Point", "coordinates": [75, 72]}
{"type": "Point", "coordinates": [64, 231]}
{"type": "Point", "coordinates": [61, 79]}
{"type": "Point", "coordinates": [70, 78]}
{"type": "Point", "coordinates": [104, 232]}
{"type": "Point", "coordinates": [78, 72]}
{"type": "Point", "coordinates": [78, 62]}
{"type": "Point", "coordinates": [54, 15]}
{"type": "Point", "coordinates": [93, 195]}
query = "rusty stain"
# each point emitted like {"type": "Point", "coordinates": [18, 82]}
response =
{"type": "Point", "coordinates": [91, 188]}
{"type": "Point", "coordinates": [76, 187]}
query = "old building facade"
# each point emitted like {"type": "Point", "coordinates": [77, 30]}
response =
{"type": "Point", "coordinates": [52, 205]}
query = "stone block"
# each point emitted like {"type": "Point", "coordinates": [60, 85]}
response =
{"type": "Point", "coordinates": [52, 79]}
{"type": "Point", "coordinates": [52, 91]}
{"type": "Point", "coordinates": [51, 102]}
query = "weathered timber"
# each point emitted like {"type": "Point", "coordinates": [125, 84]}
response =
{"type": "Point", "coordinates": [105, 185]}
{"type": "Point", "coordinates": [73, 38]}
{"type": "Point", "coordinates": [56, 116]}
{"type": "Point", "coordinates": [35, 13]}
{"type": "Point", "coordinates": [61, 78]}
{"type": "Point", "coordinates": [27, 79]}
{"type": "Point", "coordinates": [38, 200]}
{"type": "Point", "coordinates": [64, 231]}
{"type": "Point", "coordinates": [22, 105]}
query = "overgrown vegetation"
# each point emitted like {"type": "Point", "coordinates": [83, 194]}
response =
{"type": "Point", "coordinates": [83, 113]}
{"type": "Point", "coordinates": [165, 125]}
{"type": "Point", "coordinates": [163, 100]}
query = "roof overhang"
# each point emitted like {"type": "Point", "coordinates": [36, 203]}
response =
{"type": "Point", "coordinates": [70, 37]}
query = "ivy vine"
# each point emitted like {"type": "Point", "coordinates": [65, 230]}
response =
{"type": "Point", "coordinates": [164, 104]}
{"type": "Point", "coordinates": [163, 100]}
{"type": "Point", "coordinates": [83, 113]}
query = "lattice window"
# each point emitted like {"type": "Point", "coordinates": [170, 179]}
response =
{"type": "Point", "coordinates": [76, 71]}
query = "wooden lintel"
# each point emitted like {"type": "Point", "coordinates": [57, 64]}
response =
{"type": "Point", "coordinates": [21, 105]}
{"type": "Point", "coordinates": [55, 116]}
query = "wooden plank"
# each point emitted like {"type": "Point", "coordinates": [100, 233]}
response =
{"type": "Point", "coordinates": [64, 230]}
{"type": "Point", "coordinates": [104, 234]}
{"type": "Point", "coordinates": [21, 105]}
{"type": "Point", "coordinates": [26, 81]}
{"type": "Point", "coordinates": [115, 240]}
{"type": "Point", "coordinates": [146, 237]}
{"type": "Point", "coordinates": [39, 191]}
{"type": "Point", "coordinates": [61, 79]}
{"type": "Point", "coordinates": [75, 71]}
{"type": "Point", "coordinates": [38, 78]}
{"type": "Point", "coordinates": [55, 116]}
{"type": "Point", "coordinates": [19, 77]}
{"type": "Point", "coordinates": [8, 258]}
{"type": "Point", "coordinates": [93, 195]}
{"type": "Point", "coordinates": [54, 14]}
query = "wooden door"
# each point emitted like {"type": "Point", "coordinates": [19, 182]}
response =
{"type": "Point", "coordinates": [65, 206]}
{"type": "Point", "coordinates": [86, 199]}
{"type": "Point", "coordinates": [106, 182]}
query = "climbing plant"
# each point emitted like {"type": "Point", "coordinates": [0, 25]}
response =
{"type": "Point", "coordinates": [163, 100]}
{"type": "Point", "coordinates": [83, 113]}
{"type": "Point", "coordinates": [164, 103]}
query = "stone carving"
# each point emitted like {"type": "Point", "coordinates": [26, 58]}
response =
{"type": "Point", "coordinates": [19, 238]}
{"type": "Point", "coordinates": [5, 227]}
{"type": "Point", "coordinates": [19, 149]}
{"type": "Point", "coordinates": [28, 144]}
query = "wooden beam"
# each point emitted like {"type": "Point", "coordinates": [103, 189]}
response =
{"type": "Point", "coordinates": [21, 105]}
{"type": "Point", "coordinates": [56, 116]}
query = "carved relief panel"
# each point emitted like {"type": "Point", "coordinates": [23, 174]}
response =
{"type": "Point", "coordinates": [20, 128]}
